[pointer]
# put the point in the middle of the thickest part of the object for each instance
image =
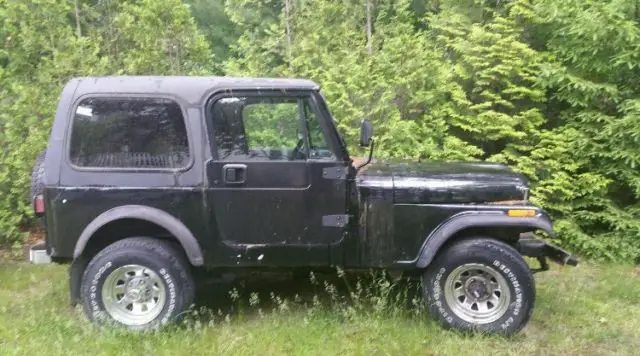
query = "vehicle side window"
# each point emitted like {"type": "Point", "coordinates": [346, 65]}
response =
{"type": "Point", "coordinates": [318, 147]}
{"type": "Point", "coordinates": [267, 129]}
{"type": "Point", "coordinates": [271, 126]}
{"type": "Point", "coordinates": [129, 133]}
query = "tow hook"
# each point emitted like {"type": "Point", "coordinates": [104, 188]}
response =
{"type": "Point", "coordinates": [540, 250]}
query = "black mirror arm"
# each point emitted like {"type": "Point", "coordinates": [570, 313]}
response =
{"type": "Point", "coordinates": [369, 158]}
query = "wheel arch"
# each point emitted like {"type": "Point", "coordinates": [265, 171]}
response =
{"type": "Point", "coordinates": [144, 215]}
{"type": "Point", "coordinates": [495, 224]}
{"type": "Point", "coordinates": [136, 218]}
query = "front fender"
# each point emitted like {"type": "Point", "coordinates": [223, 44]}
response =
{"type": "Point", "coordinates": [439, 236]}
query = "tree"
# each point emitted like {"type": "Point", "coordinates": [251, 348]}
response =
{"type": "Point", "coordinates": [40, 50]}
{"type": "Point", "coordinates": [592, 80]}
{"type": "Point", "coordinates": [216, 26]}
{"type": "Point", "coordinates": [260, 47]}
{"type": "Point", "coordinates": [161, 38]}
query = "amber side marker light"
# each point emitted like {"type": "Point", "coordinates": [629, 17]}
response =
{"type": "Point", "coordinates": [521, 213]}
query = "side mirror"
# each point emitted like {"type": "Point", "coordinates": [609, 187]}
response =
{"type": "Point", "coordinates": [366, 133]}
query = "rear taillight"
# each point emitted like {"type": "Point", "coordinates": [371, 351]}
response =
{"type": "Point", "coordinates": [38, 204]}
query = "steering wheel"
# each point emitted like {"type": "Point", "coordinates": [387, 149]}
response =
{"type": "Point", "coordinates": [297, 154]}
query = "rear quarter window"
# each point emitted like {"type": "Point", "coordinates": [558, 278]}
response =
{"type": "Point", "coordinates": [146, 133]}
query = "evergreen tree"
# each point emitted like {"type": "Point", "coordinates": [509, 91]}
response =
{"type": "Point", "coordinates": [220, 32]}
{"type": "Point", "coordinates": [161, 37]}
{"type": "Point", "coordinates": [593, 84]}
{"type": "Point", "coordinates": [260, 49]}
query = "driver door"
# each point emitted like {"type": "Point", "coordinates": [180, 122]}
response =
{"type": "Point", "coordinates": [268, 186]}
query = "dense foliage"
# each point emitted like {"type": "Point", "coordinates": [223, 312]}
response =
{"type": "Point", "coordinates": [550, 87]}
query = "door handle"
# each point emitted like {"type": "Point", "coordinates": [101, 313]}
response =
{"type": "Point", "coordinates": [234, 173]}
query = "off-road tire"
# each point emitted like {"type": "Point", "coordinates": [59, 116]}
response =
{"type": "Point", "coordinates": [500, 258]}
{"type": "Point", "coordinates": [161, 257]}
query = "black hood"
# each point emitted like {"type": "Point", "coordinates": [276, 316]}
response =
{"type": "Point", "coordinates": [442, 182]}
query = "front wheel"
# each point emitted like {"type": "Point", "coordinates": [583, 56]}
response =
{"type": "Point", "coordinates": [139, 283]}
{"type": "Point", "coordinates": [480, 284]}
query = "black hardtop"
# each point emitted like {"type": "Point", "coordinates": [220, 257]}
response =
{"type": "Point", "coordinates": [191, 89]}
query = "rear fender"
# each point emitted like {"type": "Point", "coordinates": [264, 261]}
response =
{"type": "Point", "coordinates": [170, 223]}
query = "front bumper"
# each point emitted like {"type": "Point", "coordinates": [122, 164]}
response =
{"type": "Point", "coordinates": [529, 246]}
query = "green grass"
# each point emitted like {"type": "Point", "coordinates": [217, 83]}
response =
{"type": "Point", "coordinates": [588, 310]}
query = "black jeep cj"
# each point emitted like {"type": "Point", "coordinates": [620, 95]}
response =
{"type": "Point", "coordinates": [147, 180]}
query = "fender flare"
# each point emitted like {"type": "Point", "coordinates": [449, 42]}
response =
{"type": "Point", "coordinates": [448, 229]}
{"type": "Point", "coordinates": [146, 213]}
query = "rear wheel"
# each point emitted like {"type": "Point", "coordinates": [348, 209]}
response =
{"type": "Point", "coordinates": [480, 284]}
{"type": "Point", "coordinates": [139, 283]}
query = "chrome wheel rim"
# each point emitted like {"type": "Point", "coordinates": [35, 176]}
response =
{"type": "Point", "coordinates": [477, 293]}
{"type": "Point", "coordinates": [133, 295]}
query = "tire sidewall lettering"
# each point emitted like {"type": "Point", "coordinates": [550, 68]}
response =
{"type": "Point", "coordinates": [95, 298]}
{"type": "Point", "coordinates": [168, 280]}
{"type": "Point", "coordinates": [515, 288]}
{"type": "Point", "coordinates": [437, 295]}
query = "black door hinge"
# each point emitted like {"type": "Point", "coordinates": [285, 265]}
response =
{"type": "Point", "coordinates": [335, 220]}
{"type": "Point", "coordinates": [334, 173]}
